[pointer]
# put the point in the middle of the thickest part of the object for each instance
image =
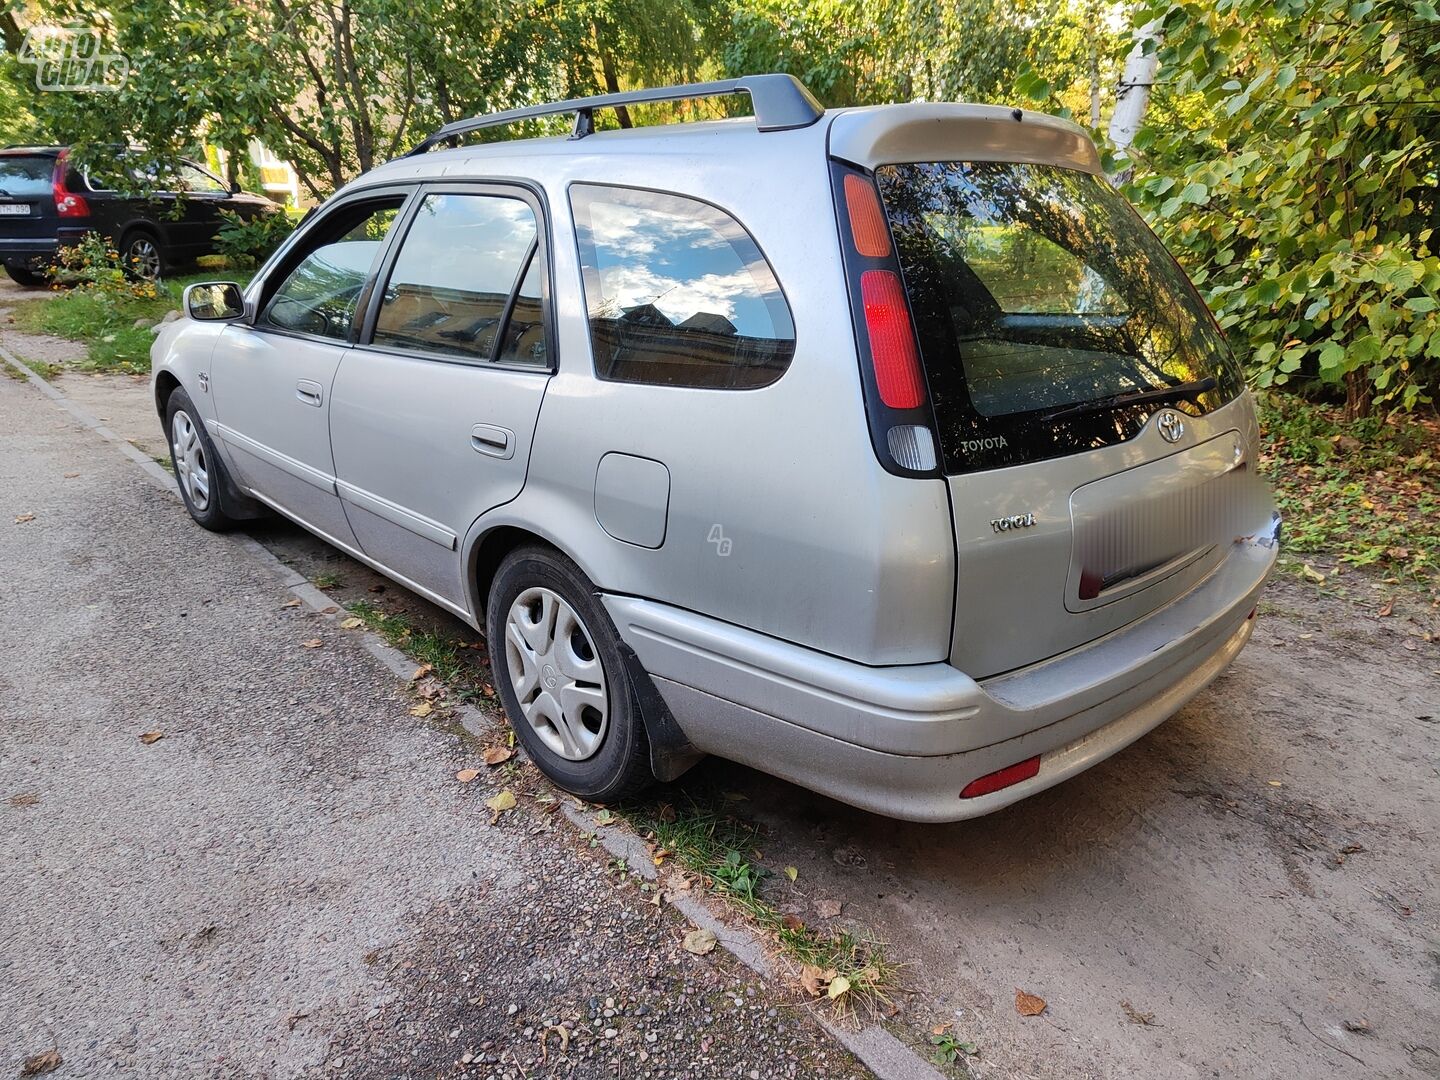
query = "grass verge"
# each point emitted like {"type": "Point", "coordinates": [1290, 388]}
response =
{"type": "Point", "coordinates": [1366, 492]}
{"type": "Point", "coordinates": [698, 834]}
{"type": "Point", "coordinates": [107, 321]}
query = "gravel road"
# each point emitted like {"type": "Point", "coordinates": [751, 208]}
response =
{"type": "Point", "coordinates": [290, 882]}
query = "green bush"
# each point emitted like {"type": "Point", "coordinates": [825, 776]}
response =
{"type": "Point", "coordinates": [249, 243]}
{"type": "Point", "coordinates": [1291, 164]}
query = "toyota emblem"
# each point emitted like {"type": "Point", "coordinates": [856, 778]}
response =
{"type": "Point", "coordinates": [1171, 426]}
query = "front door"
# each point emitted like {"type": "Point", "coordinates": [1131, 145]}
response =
{"type": "Point", "coordinates": [271, 379]}
{"type": "Point", "coordinates": [435, 408]}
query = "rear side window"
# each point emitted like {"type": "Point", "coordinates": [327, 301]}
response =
{"type": "Point", "coordinates": [24, 177]}
{"type": "Point", "coordinates": [678, 294]}
{"type": "Point", "coordinates": [451, 286]}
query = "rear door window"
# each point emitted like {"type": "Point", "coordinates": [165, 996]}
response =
{"type": "Point", "coordinates": [678, 293]}
{"type": "Point", "coordinates": [1042, 303]}
{"type": "Point", "coordinates": [25, 177]}
{"type": "Point", "coordinates": [451, 287]}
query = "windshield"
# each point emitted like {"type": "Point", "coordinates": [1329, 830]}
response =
{"type": "Point", "coordinates": [1037, 289]}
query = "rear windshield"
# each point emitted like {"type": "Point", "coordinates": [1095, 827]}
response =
{"type": "Point", "coordinates": [24, 177]}
{"type": "Point", "coordinates": [1042, 303]}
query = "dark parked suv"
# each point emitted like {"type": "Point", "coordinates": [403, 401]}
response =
{"type": "Point", "coordinates": [46, 203]}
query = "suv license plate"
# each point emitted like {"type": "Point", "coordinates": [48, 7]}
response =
{"type": "Point", "coordinates": [16, 209]}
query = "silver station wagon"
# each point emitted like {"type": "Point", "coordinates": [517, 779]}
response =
{"type": "Point", "coordinates": [885, 450]}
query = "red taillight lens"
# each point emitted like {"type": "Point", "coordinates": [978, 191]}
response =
{"type": "Point", "coordinates": [892, 340]}
{"type": "Point", "coordinates": [867, 220]}
{"type": "Point", "coordinates": [67, 203]}
{"type": "Point", "coordinates": [1002, 778]}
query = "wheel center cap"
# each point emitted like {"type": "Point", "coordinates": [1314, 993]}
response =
{"type": "Point", "coordinates": [550, 676]}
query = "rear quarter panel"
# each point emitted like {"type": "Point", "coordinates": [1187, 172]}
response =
{"type": "Point", "coordinates": [825, 548]}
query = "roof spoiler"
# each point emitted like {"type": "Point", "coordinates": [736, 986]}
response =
{"type": "Point", "coordinates": [781, 102]}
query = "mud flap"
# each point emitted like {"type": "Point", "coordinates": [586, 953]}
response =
{"type": "Point", "coordinates": [671, 754]}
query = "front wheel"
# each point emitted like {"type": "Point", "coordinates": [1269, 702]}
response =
{"type": "Point", "coordinates": [140, 255]}
{"type": "Point", "coordinates": [562, 678]}
{"type": "Point", "coordinates": [198, 470]}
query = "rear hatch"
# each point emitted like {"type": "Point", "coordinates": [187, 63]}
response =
{"type": "Point", "coordinates": [27, 195]}
{"type": "Point", "coordinates": [1079, 390]}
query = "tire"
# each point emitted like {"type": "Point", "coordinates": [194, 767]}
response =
{"type": "Point", "coordinates": [22, 276]}
{"type": "Point", "coordinates": [140, 255]}
{"type": "Point", "coordinates": [579, 719]}
{"type": "Point", "coordinates": [198, 470]}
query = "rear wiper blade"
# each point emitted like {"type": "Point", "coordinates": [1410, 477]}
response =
{"type": "Point", "coordinates": [1179, 391]}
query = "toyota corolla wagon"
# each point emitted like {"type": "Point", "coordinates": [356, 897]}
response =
{"type": "Point", "coordinates": [885, 450]}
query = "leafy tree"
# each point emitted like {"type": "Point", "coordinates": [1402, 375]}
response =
{"type": "Point", "coordinates": [1300, 187]}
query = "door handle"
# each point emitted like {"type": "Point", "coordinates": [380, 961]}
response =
{"type": "Point", "coordinates": [309, 392]}
{"type": "Point", "coordinates": [495, 441]}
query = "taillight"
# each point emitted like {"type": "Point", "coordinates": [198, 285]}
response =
{"type": "Point", "coordinates": [867, 220]}
{"type": "Point", "coordinates": [67, 203]}
{"type": "Point", "coordinates": [897, 406]}
{"type": "Point", "coordinates": [892, 340]}
{"type": "Point", "coordinates": [1001, 778]}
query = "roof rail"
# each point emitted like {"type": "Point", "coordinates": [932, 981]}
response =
{"type": "Point", "coordinates": [781, 102]}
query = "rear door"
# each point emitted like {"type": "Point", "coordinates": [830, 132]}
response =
{"type": "Point", "coordinates": [434, 411]}
{"type": "Point", "coordinates": [1078, 386]}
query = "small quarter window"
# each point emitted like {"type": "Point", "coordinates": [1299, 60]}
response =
{"type": "Point", "coordinates": [678, 293]}
{"type": "Point", "coordinates": [453, 278]}
{"type": "Point", "coordinates": [319, 295]}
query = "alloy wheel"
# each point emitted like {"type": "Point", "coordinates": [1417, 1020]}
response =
{"type": "Point", "coordinates": [191, 468]}
{"type": "Point", "coordinates": [556, 673]}
{"type": "Point", "coordinates": [143, 257]}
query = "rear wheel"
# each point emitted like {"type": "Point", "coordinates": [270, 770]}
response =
{"type": "Point", "coordinates": [198, 471]}
{"type": "Point", "coordinates": [562, 678]}
{"type": "Point", "coordinates": [140, 255]}
{"type": "Point", "coordinates": [22, 276]}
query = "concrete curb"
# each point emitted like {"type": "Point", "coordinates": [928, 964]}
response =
{"type": "Point", "coordinates": [880, 1051]}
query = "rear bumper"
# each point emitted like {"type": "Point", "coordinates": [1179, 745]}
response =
{"type": "Point", "coordinates": [904, 741]}
{"type": "Point", "coordinates": [37, 252]}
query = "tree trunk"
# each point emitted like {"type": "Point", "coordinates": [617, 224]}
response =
{"type": "Point", "coordinates": [1359, 395]}
{"type": "Point", "coordinates": [1133, 95]}
{"type": "Point", "coordinates": [612, 82]}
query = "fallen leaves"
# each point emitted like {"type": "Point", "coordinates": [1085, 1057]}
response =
{"type": "Point", "coordinates": [466, 775]}
{"type": "Point", "coordinates": [699, 942]}
{"type": "Point", "coordinates": [351, 623]}
{"type": "Point", "coordinates": [312, 643]}
{"type": "Point", "coordinates": [559, 1030]}
{"type": "Point", "coordinates": [1387, 610]}
{"type": "Point", "coordinates": [21, 519]}
{"type": "Point", "coordinates": [25, 798]}
{"type": "Point", "coordinates": [150, 737]}
{"type": "Point", "coordinates": [499, 803]}
{"type": "Point", "coordinates": [839, 986]}
{"type": "Point", "coordinates": [791, 873]}
{"type": "Point", "coordinates": [423, 709]}
{"type": "Point", "coordinates": [1135, 1016]}
{"type": "Point", "coordinates": [827, 909]}
{"type": "Point", "coordinates": [1028, 1004]}
{"type": "Point", "coordinates": [421, 672]}
{"type": "Point", "coordinates": [793, 922]}
{"type": "Point", "coordinates": [294, 601]}
{"type": "Point", "coordinates": [497, 755]}
{"type": "Point", "coordinates": [815, 980]}
{"type": "Point", "coordinates": [1309, 573]}
{"type": "Point", "coordinates": [39, 1064]}
{"type": "Point", "coordinates": [71, 475]}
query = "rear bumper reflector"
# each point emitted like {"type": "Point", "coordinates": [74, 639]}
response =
{"type": "Point", "coordinates": [1001, 778]}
